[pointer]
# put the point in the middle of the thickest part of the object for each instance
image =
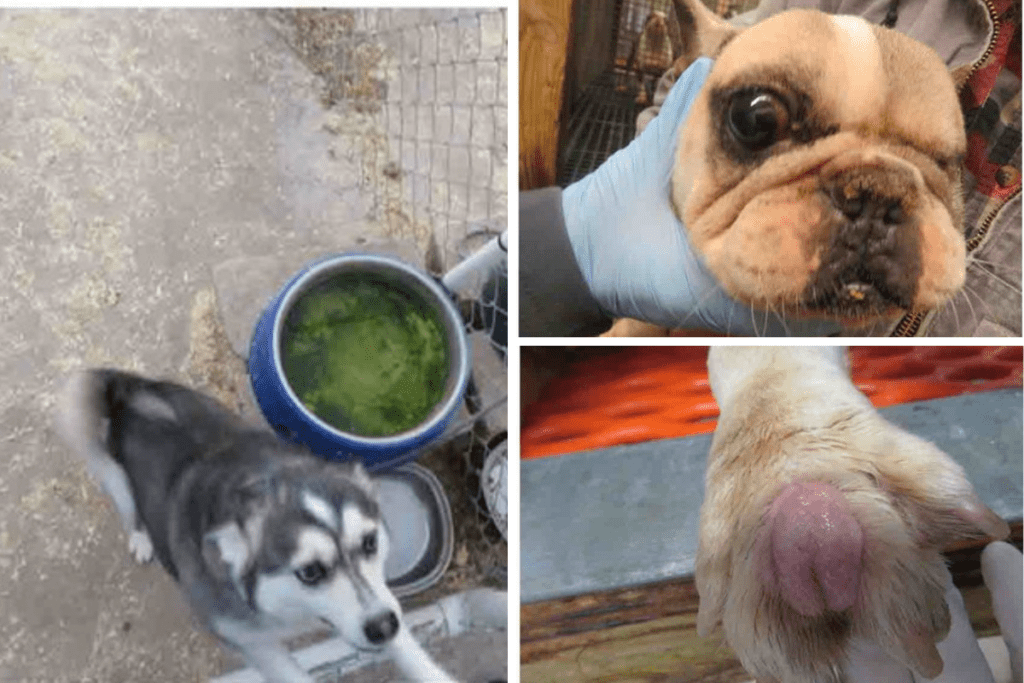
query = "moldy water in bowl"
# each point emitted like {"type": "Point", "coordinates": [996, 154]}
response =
{"type": "Point", "coordinates": [365, 355]}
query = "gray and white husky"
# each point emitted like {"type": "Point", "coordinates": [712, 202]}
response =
{"type": "Point", "coordinates": [261, 536]}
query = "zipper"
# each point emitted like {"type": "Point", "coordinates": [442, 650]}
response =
{"type": "Point", "coordinates": [910, 323]}
{"type": "Point", "coordinates": [979, 236]}
{"type": "Point", "coordinates": [996, 29]}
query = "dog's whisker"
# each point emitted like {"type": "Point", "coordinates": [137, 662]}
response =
{"type": "Point", "coordinates": [782, 320]}
{"type": "Point", "coordinates": [958, 324]}
{"type": "Point", "coordinates": [968, 291]}
{"type": "Point", "coordinates": [1002, 266]}
{"type": "Point", "coordinates": [965, 295]}
{"type": "Point", "coordinates": [753, 320]}
{"type": "Point", "coordinates": [706, 296]}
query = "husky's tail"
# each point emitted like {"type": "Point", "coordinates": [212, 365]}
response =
{"type": "Point", "coordinates": [83, 420]}
{"type": "Point", "coordinates": [83, 414]}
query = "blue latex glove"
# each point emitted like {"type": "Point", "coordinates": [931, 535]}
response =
{"type": "Point", "coordinates": [635, 253]}
{"type": "Point", "coordinates": [963, 661]}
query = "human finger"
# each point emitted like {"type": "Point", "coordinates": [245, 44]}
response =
{"type": "Point", "coordinates": [1002, 568]}
{"type": "Point", "coordinates": [962, 658]}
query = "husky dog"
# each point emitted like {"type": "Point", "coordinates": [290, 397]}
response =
{"type": "Point", "coordinates": [262, 537]}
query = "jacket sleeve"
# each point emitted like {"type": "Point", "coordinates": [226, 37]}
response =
{"type": "Point", "coordinates": [554, 299]}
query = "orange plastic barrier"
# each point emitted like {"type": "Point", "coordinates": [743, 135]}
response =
{"type": "Point", "coordinates": [646, 393]}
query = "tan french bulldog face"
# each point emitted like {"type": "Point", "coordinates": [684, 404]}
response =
{"type": "Point", "coordinates": [819, 172]}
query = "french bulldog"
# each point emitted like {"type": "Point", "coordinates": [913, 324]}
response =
{"type": "Point", "coordinates": [819, 172]}
{"type": "Point", "coordinates": [822, 523]}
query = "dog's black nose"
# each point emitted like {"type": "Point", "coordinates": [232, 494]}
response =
{"type": "Point", "coordinates": [381, 628]}
{"type": "Point", "coordinates": [871, 260]}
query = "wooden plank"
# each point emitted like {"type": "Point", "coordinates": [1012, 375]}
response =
{"type": "Point", "coordinates": [543, 42]}
{"type": "Point", "coordinates": [648, 633]}
{"type": "Point", "coordinates": [661, 650]}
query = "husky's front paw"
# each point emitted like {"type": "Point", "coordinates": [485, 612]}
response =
{"type": "Point", "coordinates": [140, 546]}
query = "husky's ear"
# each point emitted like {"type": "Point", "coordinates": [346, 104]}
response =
{"type": "Point", "coordinates": [361, 476]}
{"type": "Point", "coordinates": [226, 551]}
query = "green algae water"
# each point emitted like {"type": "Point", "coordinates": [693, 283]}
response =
{"type": "Point", "coordinates": [365, 355]}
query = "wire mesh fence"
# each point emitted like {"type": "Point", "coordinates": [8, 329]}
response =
{"type": "Point", "coordinates": [482, 434]}
{"type": "Point", "coordinates": [425, 92]}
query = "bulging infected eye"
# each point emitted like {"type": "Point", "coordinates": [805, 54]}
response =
{"type": "Point", "coordinates": [757, 118]}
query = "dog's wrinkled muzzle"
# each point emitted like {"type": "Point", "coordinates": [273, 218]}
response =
{"type": "Point", "coordinates": [871, 259]}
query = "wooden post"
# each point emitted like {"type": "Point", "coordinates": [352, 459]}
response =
{"type": "Point", "coordinates": [543, 42]}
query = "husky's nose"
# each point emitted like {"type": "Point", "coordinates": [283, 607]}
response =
{"type": "Point", "coordinates": [381, 628]}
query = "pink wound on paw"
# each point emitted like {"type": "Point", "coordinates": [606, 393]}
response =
{"type": "Point", "coordinates": [810, 548]}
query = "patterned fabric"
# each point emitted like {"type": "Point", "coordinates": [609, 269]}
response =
{"type": "Point", "coordinates": [991, 99]}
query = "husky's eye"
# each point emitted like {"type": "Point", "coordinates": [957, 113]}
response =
{"type": "Point", "coordinates": [757, 118]}
{"type": "Point", "coordinates": [370, 544]}
{"type": "Point", "coordinates": [312, 573]}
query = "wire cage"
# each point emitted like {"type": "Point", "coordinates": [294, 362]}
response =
{"type": "Point", "coordinates": [618, 51]}
{"type": "Point", "coordinates": [482, 434]}
{"type": "Point", "coordinates": [421, 104]}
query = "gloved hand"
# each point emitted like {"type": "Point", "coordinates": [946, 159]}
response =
{"type": "Point", "coordinates": [963, 661]}
{"type": "Point", "coordinates": [635, 253]}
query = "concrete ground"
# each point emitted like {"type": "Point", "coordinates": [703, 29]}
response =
{"type": "Point", "coordinates": [139, 151]}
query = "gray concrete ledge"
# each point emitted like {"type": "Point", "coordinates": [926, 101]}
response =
{"type": "Point", "coordinates": [628, 515]}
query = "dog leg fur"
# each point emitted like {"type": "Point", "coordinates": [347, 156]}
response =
{"type": "Point", "coordinates": [414, 663]}
{"type": "Point", "coordinates": [792, 416]}
{"type": "Point", "coordinates": [276, 664]}
{"type": "Point", "coordinates": [262, 651]}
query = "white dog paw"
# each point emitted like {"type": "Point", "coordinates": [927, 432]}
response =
{"type": "Point", "coordinates": [140, 546]}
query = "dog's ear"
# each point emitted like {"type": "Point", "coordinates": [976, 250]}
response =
{"type": "Point", "coordinates": [227, 551]}
{"type": "Point", "coordinates": [361, 476]}
{"type": "Point", "coordinates": [699, 26]}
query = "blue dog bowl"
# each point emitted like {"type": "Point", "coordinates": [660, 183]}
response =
{"type": "Point", "coordinates": [295, 421]}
